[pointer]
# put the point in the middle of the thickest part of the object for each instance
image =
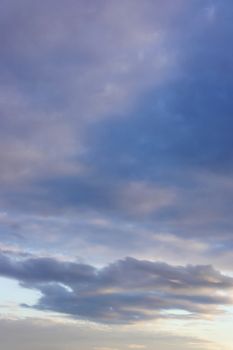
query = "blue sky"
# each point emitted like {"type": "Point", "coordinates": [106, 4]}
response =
{"type": "Point", "coordinates": [116, 156]}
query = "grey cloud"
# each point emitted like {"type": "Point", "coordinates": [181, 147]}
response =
{"type": "Point", "coordinates": [65, 64]}
{"type": "Point", "coordinates": [43, 334]}
{"type": "Point", "coordinates": [56, 154]}
{"type": "Point", "coordinates": [44, 270]}
{"type": "Point", "coordinates": [126, 291]}
{"type": "Point", "coordinates": [155, 71]}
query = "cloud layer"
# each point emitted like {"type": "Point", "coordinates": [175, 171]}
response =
{"type": "Point", "coordinates": [40, 334]}
{"type": "Point", "coordinates": [130, 122]}
{"type": "Point", "coordinates": [115, 141]}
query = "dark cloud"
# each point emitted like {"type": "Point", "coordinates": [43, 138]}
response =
{"type": "Point", "coordinates": [126, 291]}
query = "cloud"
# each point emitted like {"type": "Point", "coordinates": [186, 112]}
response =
{"type": "Point", "coordinates": [70, 141]}
{"type": "Point", "coordinates": [48, 334]}
{"type": "Point", "coordinates": [57, 81]}
{"type": "Point", "coordinates": [129, 123]}
{"type": "Point", "coordinates": [126, 291]}
{"type": "Point", "coordinates": [116, 140]}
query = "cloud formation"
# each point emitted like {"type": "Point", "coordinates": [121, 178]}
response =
{"type": "Point", "coordinates": [126, 291]}
{"type": "Point", "coordinates": [116, 140]}
{"type": "Point", "coordinates": [130, 120]}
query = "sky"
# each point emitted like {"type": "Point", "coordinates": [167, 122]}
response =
{"type": "Point", "coordinates": [116, 164]}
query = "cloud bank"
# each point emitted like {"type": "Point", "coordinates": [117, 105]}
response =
{"type": "Point", "coordinates": [126, 291]}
